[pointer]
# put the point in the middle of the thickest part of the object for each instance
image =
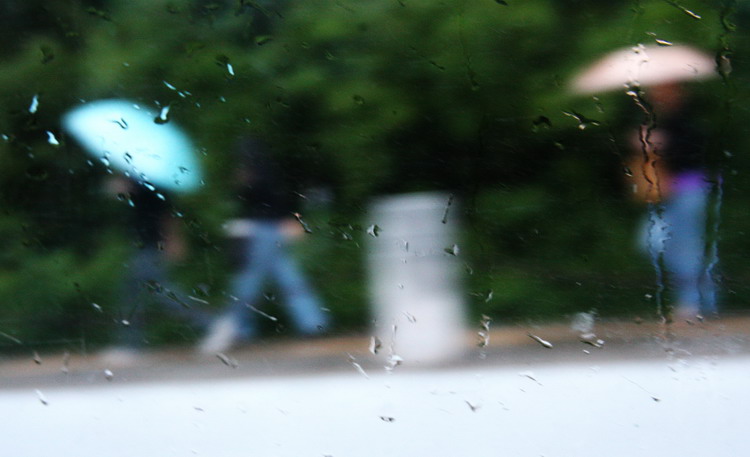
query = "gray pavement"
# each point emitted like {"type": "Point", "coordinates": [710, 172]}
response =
{"type": "Point", "coordinates": [507, 345]}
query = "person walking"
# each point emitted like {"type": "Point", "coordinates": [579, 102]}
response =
{"type": "Point", "coordinates": [671, 175]}
{"type": "Point", "coordinates": [268, 210]}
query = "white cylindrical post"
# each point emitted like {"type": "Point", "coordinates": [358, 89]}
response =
{"type": "Point", "coordinates": [414, 271]}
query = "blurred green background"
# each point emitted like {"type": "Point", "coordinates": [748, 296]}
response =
{"type": "Point", "coordinates": [362, 98]}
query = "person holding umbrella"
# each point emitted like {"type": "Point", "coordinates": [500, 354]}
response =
{"type": "Point", "coordinates": [268, 209]}
{"type": "Point", "coordinates": [668, 164]}
{"type": "Point", "coordinates": [151, 159]}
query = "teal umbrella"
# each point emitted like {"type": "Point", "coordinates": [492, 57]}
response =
{"type": "Point", "coordinates": [137, 142]}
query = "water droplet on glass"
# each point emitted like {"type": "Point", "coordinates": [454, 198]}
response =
{"type": "Point", "coordinates": [393, 361]}
{"type": "Point", "coordinates": [169, 86]}
{"type": "Point", "coordinates": [121, 122]}
{"type": "Point", "coordinates": [387, 419]}
{"type": "Point", "coordinates": [375, 345]}
{"type": "Point", "coordinates": [304, 225]}
{"type": "Point", "coordinates": [542, 122]}
{"type": "Point", "coordinates": [163, 116]}
{"type": "Point", "coordinates": [47, 54]}
{"type": "Point", "coordinates": [34, 104]}
{"type": "Point", "coordinates": [37, 358]}
{"type": "Point", "coordinates": [41, 397]}
{"type": "Point", "coordinates": [357, 366]}
{"type": "Point", "coordinates": [448, 205]}
{"type": "Point", "coordinates": [108, 375]}
{"type": "Point", "coordinates": [541, 341]}
{"type": "Point", "coordinates": [266, 315]}
{"type": "Point", "coordinates": [228, 361]}
{"type": "Point", "coordinates": [685, 10]}
{"type": "Point", "coordinates": [11, 338]}
{"type": "Point", "coordinates": [453, 250]}
{"type": "Point", "coordinates": [472, 406]}
{"type": "Point", "coordinates": [501, 2]}
{"type": "Point", "coordinates": [373, 230]}
{"type": "Point", "coordinates": [484, 331]}
{"type": "Point", "coordinates": [358, 99]}
{"type": "Point", "coordinates": [99, 13]}
{"type": "Point", "coordinates": [529, 375]}
{"type": "Point", "coordinates": [263, 39]}
{"type": "Point", "coordinates": [592, 340]}
{"type": "Point", "coordinates": [37, 173]}
{"type": "Point", "coordinates": [583, 121]}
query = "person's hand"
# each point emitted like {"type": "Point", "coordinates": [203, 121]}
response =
{"type": "Point", "coordinates": [174, 245]}
{"type": "Point", "coordinates": [291, 229]}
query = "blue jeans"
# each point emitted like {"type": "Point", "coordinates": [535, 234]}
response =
{"type": "Point", "coordinates": [266, 257]}
{"type": "Point", "coordinates": [146, 284]}
{"type": "Point", "coordinates": [676, 239]}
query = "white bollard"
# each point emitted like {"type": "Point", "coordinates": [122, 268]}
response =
{"type": "Point", "coordinates": [414, 273]}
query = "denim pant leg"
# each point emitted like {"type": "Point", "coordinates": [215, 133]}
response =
{"type": "Point", "coordinates": [301, 301]}
{"type": "Point", "coordinates": [147, 284]}
{"type": "Point", "coordinates": [685, 249]}
{"type": "Point", "coordinates": [246, 286]}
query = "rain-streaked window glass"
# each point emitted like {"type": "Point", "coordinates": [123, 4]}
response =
{"type": "Point", "coordinates": [386, 227]}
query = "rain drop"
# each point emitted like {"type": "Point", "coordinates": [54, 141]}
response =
{"type": "Point", "coordinates": [163, 116]}
{"type": "Point", "coordinates": [583, 121]}
{"type": "Point", "coordinates": [393, 361]}
{"type": "Point", "coordinates": [472, 406]}
{"type": "Point", "coordinates": [37, 358]}
{"type": "Point", "coordinates": [34, 104]}
{"type": "Point", "coordinates": [41, 397]}
{"type": "Point", "coordinates": [121, 122]}
{"type": "Point", "coordinates": [375, 345]}
{"type": "Point", "coordinates": [263, 39]}
{"type": "Point", "coordinates": [169, 86]}
{"type": "Point", "coordinates": [357, 366]}
{"type": "Point", "coordinates": [358, 99]}
{"type": "Point", "coordinates": [447, 209]}
{"type": "Point", "coordinates": [453, 250]}
{"type": "Point", "coordinates": [228, 361]}
{"type": "Point", "coordinates": [108, 375]}
{"type": "Point", "coordinates": [304, 225]}
{"type": "Point", "coordinates": [373, 230]}
{"type": "Point", "coordinates": [484, 331]}
{"type": "Point", "coordinates": [541, 341]}
{"type": "Point", "coordinates": [47, 54]}
{"type": "Point", "coordinates": [387, 419]}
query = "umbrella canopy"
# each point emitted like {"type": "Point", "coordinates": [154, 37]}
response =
{"type": "Point", "coordinates": [642, 65]}
{"type": "Point", "coordinates": [129, 138]}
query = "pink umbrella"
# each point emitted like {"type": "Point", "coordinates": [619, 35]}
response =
{"type": "Point", "coordinates": [644, 65]}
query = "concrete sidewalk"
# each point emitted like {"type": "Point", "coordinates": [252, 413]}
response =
{"type": "Point", "coordinates": [516, 345]}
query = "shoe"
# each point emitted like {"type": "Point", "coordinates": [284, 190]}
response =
{"type": "Point", "coordinates": [687, 313]}
{"type": "Point", "coordinates": [222, 335]}
{"type": "Point", "coordinates": [120, 357]}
